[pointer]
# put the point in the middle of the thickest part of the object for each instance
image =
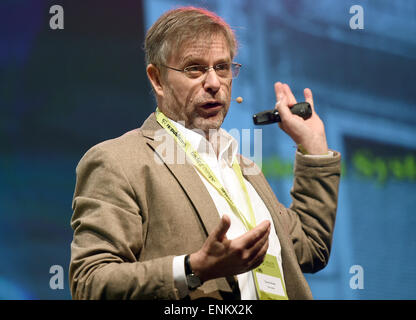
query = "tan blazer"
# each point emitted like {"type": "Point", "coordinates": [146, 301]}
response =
{"type": "Point", "coordinates": [133, 214]}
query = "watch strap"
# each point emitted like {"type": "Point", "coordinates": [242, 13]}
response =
{"type": "Point", "coordinates": [188, 269]}
{"type": "Point", "coordinates": [192, 279]}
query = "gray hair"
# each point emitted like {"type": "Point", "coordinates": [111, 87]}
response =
{"type": "Point", "coordinates": [177, 26]}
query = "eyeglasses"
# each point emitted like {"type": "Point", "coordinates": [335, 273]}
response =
{"type": "Point", "coordinates": [223, 70]}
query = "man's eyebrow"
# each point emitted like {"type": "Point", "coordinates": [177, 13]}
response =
{"type": "Point", "coordinates": [199, 60]}
{"type": "Point", "coordinates": [191, 58]}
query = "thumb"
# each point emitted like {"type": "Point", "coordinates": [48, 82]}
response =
{"type": "Point", "coordinates": [222, 228]}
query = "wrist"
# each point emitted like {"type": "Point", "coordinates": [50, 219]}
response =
{"type": "Point", "coordinates": [197, 266]}
{"type": "Point", "coordinates": [316, 146]}
{"type": "Point", "coordinates": [312, 151]}
{"type": "Point", "coordinates": [192, 280]}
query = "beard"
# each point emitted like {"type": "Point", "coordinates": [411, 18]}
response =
{"type": "Point", "coordinates": [193, 112]}
{"type": "Point", "coordinates": [208, 121]}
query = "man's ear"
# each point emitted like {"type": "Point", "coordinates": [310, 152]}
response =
{"type": "Point", "coordinates": [153, 73]}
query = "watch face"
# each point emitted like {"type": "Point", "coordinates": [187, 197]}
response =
{"type": "Point", "coordinates": [193, 281]}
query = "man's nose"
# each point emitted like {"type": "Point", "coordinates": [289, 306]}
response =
{"type": "Point", "coordinates": [212, 81]}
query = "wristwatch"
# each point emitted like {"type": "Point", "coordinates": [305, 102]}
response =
{"type": "Point", "coordinates": [193, 280]}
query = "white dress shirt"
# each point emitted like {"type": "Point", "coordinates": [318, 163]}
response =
{"type": "Point", "coordinates": [222, 168]}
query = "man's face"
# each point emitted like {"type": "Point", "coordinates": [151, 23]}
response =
{"type": "Point", "coordinates": [202, 102]}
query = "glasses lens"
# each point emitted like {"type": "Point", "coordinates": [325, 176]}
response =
{"type": "Point", "coordinates": [223, 70]}
{"type": "Point", "coordinates": [194, 71]}
{"type": "Point", "coordinates": [235, 69]}
{"type": "Point", "coordinates": [227, 70]}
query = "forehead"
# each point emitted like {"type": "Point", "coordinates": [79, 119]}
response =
{"type": "Point", "coordinates": [202, 50]}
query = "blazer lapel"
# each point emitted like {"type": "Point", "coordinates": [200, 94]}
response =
{"type": "Point", "coordinates": [184, 172]}
{"type": "Point", "coordinates": [263, 189]}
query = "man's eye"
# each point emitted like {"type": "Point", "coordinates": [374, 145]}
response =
{"type": "Point", "coordinates": [195, 68]}
{"type": "Point", "coordinates": [222, 67]}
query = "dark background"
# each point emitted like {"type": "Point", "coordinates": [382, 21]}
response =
{"type": "Point", "coordinates": [63, 91]}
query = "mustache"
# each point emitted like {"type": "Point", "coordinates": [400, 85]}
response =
{"type": "Point", "coordinates": [203, 100]}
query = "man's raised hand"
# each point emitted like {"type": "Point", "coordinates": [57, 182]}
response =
{"type": "Point", "coordinates": [309, 133]}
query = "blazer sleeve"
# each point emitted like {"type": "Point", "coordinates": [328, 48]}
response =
{"type": "Point", "coordinates": [311, 216]}
{"type": "Point", "coordinates": [108, 237]}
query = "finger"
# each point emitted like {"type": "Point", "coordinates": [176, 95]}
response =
{"type": "Point", "coordinates": [259, 258]}
{"type": "Point", "coordinates": [251, 237]}
{"type": "Point", "coordinates": [278, 89]}
{"type": "Point", "coordinates": [282, 107]}
{"type": "Point", "coordinates": [222, 228]}
{"type": "Point", "coordinates": [289, 95]}
{"type": "Point", "coordinates": [258, 248]}
{"type": "Point", "coordinates": [280, 92]}
{"type": "Point", "coordinates": [309, 97]}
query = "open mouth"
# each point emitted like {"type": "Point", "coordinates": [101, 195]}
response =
{"type": "Point", "coordinates": [212, 105]}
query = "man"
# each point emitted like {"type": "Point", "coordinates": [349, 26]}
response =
{"type": "Point", "coordinates": [149, 227]}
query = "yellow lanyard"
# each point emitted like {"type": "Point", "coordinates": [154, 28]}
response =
{"type": "Point", "coordinates": [206, 171]}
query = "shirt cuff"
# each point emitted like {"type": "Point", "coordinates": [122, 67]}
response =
{"type": "Point", "coordinates": [179, 276]}
{"type": "Point", "coordinates": [330, 154]}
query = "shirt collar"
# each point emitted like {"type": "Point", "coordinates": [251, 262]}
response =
{"type": "Point", "coordinates": [228, 144]}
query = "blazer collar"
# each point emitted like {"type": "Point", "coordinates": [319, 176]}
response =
{"type": "Point", "coordinates": [150, 126]}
